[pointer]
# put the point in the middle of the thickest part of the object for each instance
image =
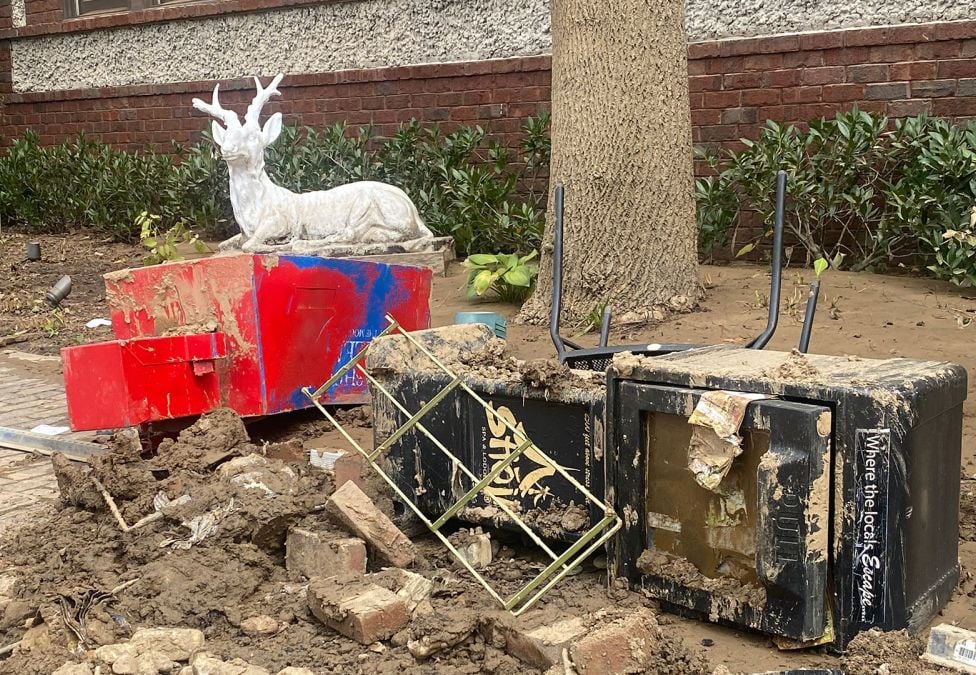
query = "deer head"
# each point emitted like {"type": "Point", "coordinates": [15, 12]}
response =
{"type": "Point", "coordinates": [242, 145]}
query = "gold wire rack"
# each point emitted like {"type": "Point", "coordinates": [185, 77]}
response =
{"type": "Point", "coordinates": [562, 563]}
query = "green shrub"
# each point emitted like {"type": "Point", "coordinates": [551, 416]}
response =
{"type": "Point", "coordinates": [465, 183]}
{"type": "Point", "coordinates": [508, 276]}
{"type": "Point", "coordinates": [864, 193]}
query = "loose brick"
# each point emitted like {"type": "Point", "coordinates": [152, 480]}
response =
{"type": "Point", "coordinates": [350, 466]}
{"type": "Point", "coordinates": [356, 608]}
{"type": "Point", "coordinates": [621, 646]}
{"type": "Point", "coordinates": [542, 647]}
{"type": "Point", "coordinates": [313, 554]}
{"type": "Point", "coordinates": [351, 507]}
{"type": "Point", "coordinates": [410, 587]}
{"type": "Point", "coordinates": [889, 91]}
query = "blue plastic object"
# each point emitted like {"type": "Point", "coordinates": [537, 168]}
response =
{"type": "Point", "coordinates": [493, 320]}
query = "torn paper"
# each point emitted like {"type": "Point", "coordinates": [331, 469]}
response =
{"type": "Point", "coordinates": [715, 440]}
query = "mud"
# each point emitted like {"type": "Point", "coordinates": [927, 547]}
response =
{"type": "Point", "coordinates": [967, 511]}
{"type": "Point", "coordinates": [215, 437]}
{"type": "Point", "coordinates": [895, 653]}
{"type": "Point", "coordinates": [796, 367]}
{"type": "Point", "coordinates": [726, 590]}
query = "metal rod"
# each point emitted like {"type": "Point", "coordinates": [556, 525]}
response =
{"type": "Point", "coordinates": [500, 503]}
{"type": "Point", "coordinates": [555, 306]}
{"type": "Point", "coordinates": [808, 316]}
{"type": "Point", "coordinates": [567, 554]}
{"type": "Point", "coordinates": [777, 265]}
{"type": "Point", "coordinates": [567, 568]}
{"type": "Point", "coordinates": [481, 484]}
{"type": "Point", "coordinates": [410, 423]}
{"type": "Point", "coordinates": [605, 327]}
{"type": "Point", "coordinates": [339, 374]}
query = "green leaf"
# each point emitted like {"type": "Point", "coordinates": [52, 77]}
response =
{"type": "Point", "coordinates": [820, 266]}
{"type": "Point", "coordinates": [482, 282]}
{"type": "Point", "coordinates": [518, 276]}
{"type": "Point", "coordinates": [482, 259]}
{"type": "Point", "coordinates": [745, 249]}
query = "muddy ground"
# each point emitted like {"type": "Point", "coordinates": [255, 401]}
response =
{"type": "Point", "coordinates": [78, 549]}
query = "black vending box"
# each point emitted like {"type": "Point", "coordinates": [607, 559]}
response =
{"type": "Point", "coordinates": [841, 512]}
{"type": "Point", "coordinates": [565, 421]}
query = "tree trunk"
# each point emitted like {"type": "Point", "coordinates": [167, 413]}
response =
{"type": "Point", "coordinates": [621, 144]}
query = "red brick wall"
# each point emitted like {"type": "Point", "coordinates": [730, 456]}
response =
{"type": "Point", "coordinates": [498, 95]}
{"type": "Point", "coordinates": [735, 86]}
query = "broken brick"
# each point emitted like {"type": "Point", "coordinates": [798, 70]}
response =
{"type": "Point", "coordinates": [542, 647]}
{"type": "Point", "coordinates": [356, 608]}
{"type": "Point", "coordinates": [350, 467]}
{"type": "Point", "coordinates": [313, 554]}
{"type": "Point", "coordinates": [622, 645]}
{"type": "Point", "coordinates": [413, 588]}
{"type": "Point", "coordinates": [351, 507]}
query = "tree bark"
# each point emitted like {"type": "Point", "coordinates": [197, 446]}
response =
{"type": "Point", "coordinates": [621, 144]}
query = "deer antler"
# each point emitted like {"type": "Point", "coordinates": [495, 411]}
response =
{"type": "Point", "coordinates": [229, 117]}
{"type": "Point", "coordinates": [264, 94]}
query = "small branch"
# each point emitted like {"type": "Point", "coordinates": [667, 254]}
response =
{"type": "Point", "coordinates": [124, 585]}
{"type": "Point", "coordinates": [151, 518]}
{"type": "Point", "coordinates": [8, 650]}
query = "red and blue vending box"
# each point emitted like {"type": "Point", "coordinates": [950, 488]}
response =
{"type": "Point", "coordinates": [243, 331]}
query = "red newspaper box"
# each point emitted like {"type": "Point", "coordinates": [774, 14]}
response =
{"type": "Point", "coordinates": [243, 331]}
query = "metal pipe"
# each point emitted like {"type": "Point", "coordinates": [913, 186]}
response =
{"type": "Point", "coordinates": [557, 274]}
{"type": "Point", "coordinates": [605, 327]}
{"type": "Point", "coordinates": [808, 316]}
{"type": "Point", "coordinates": [777, 265]}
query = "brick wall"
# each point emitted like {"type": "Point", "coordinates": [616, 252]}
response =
{"type": "Point", "coordinates": [497, 94]}
{"type": "Point", "coordinates": [735, 86]}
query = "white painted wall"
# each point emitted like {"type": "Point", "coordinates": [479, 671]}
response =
{"type": "Point", "coordinates": [376, 33]}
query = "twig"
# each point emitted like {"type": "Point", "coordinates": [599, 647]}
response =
{"type": "Point", "coordinates": [151, 518]}
{"type": "Point", "coordinates": [124, 585]}
{"type": "Point", "coordinates": [5, 651]}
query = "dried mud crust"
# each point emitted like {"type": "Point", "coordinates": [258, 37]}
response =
{"type": "Point", "coordinates": [967, 510]}
{"type": "Point", "coordinates": [681, 570]}
{"type": "Point", "coordinates": [472, 350]}
{"type": "Point", "coordinates": [237, 572]}
{"type": "Point", "coordinates": [895, 653]}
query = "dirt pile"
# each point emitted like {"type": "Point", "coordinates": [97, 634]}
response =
{"type": "Point", "coordinates": [198, 543]}
{"type": "Point", "coordinates": [967, 510]}
{"type": "Point", "coordinates": [894, 653]}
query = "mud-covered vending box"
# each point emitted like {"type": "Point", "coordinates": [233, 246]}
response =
{"type": "Point", "coordinates": [562, 414]}
{"type": "Point", "coordinates": [840, 512]}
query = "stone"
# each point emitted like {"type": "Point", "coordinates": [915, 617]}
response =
{"type": "Point", "coordinates": [356, 608]}
{"type": "Point", "coordinates": [36, 637]}
{"type": "Point", "coordinates": [952, 647]}
{"type": "Point", "coordinates": [152, 662]}
{"type": "Point", "coordinates": [207, 664]}
{"type": "Point", "coordinates": [111, 653]}
{"type": "Point", "coordinates": [542, 647]}
{"type": "Point", "coordinates": [9, 583]}
{"type": "Point", "coordinates": [364, 212]}
{"type": "Point", "coordinates": [477, 550]}
{"type": "Point", "coordinates": [15, 613]}
{"type": "Point", "coordinates": [292, 670]}
{"type": "Point", "coordinates": [74, 669]}
{"type": "Point", "coordinates": [177, 644]}
{"type": "Point", "coordinates": [312, 554]}
{"type": "Point", "coordinates": [621, 645]}
{"type": "Point", "coordinates": [259, 626]}
{"type": "Point", "coordinates": [351, 507]}
{"type": "Point", "coordinates": [350, 466]}
{"type": "Point", "coordinates": [126, 665]}
{"type": "Point", "coordinates": [413, 588]}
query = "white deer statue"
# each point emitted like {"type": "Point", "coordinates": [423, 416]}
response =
{"type": "Point", "coordinates": [365, 212]}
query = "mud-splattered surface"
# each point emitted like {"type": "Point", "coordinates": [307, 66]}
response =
{"type": "Point", "coordinates": [875, 317]}
{"type": "Point", "coordinates": [895, 653]}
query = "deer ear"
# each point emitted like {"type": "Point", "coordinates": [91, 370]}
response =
{"type": "Point", "coordinates": [272, 129]}
{"type": "Point", "coordinates": [217, 132]}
